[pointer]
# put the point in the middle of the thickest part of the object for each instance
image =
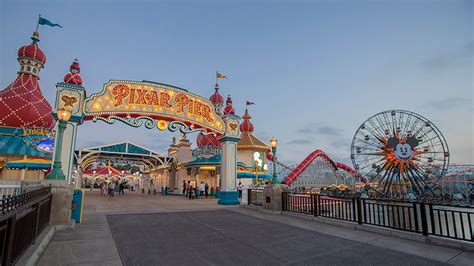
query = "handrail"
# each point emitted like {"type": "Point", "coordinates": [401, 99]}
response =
{"type": "Point", "coordinates": [456, 222]}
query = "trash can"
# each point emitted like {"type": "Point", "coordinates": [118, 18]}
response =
{"type": "Point", "coordinates": [164, 191]}
{"type": "Point", "coordinates": [149, 191]}
{"type": "Point", "coordinates": [143, 190]}
{"type": "Point", "coordinates": [154, 191]}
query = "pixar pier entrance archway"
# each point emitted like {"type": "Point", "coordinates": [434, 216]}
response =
{"type": "Point", "coordinates": [153, 105]}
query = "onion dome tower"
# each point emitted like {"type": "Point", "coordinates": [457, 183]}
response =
{"type": "Point", "coordinates": [22, 103]}
{"type": "Point", "coordinates": [229, 109]}
{"type": "Point", "coordinates": [73, 76]}
{"type": "Point", "coordinates": [247, 140]}
{"type": "Point", "coordinates": [217, 100]}
{"type": "Point", "coordinates": [246, 126]}
{"type": "Point", "coordinates": [207, 140]}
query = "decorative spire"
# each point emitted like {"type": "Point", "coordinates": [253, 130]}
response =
{"type": "Point", "coordinates": [246, 126]}
{"type": "Point", "coordinates": [229, 109]}
{"type": "Point", "coordinates": [73, 76]}
{"type": "Point", "coordinates": [35, 37]}
{"type": "Point", "coordinates": [31, 57]}
{"type": "Point", "coordinates": [217, 100]}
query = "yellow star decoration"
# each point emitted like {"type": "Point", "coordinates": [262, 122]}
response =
{"type": "Point", "coordinates": [162, 125]}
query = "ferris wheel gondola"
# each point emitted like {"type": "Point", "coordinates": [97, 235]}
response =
{"type": "Point", "coordinates": [400, 152]}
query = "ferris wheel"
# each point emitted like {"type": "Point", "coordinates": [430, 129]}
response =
{"type": "Point", "coordinates": [400, 152]}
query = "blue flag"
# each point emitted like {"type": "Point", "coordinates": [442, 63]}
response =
{"type": "Point", "coordinates": [43, 21]}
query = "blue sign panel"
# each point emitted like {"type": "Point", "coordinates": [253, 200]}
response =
{"type": "Point", "coordinates": [77, 205]}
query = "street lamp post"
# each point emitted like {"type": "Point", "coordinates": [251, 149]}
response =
{"type": "Point", "coordinates": [273, 145]}
{"type": "Point", "coordinates": [57, 173]}
{"type": "Point", "coordinates": [93, 177]}
{"type": "Point", "coordinates": [76, 180]}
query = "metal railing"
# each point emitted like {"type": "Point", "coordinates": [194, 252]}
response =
{"type": "Point", "coordinates": [9, 188]}
{"type": "Point", "coordinates": [450, 221]}
{"type": "Point", "coordinates": [22, 219]}
{"type": "Point", "coordinates": [255, 197]}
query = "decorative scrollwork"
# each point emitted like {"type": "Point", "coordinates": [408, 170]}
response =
{"type": "Point", "coordinates": [131, 121]}
{"type": "Point", "coordinates": [151, 123]}
{"type": "Point", "coordinates": [185, 129]}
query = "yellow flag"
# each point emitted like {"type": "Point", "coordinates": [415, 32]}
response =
{"type": "Point", "coordinates": [220, 76]}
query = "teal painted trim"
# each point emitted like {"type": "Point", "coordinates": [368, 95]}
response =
{"type": "Point", "coordinates": [11, 130]}
{"type": "Point", "coordinates": [30, 166]}
{"type": "Point", "coordinates": [203, 163]}
{"type": "Point", "coordinates": [228, 197]}
{"type": "Point", "coordinates": [74, 118]}
{"type": "Point", "coordinates": [232, 139]}
{"type": "Point", "coordinates": [70, 86]}
{"type": "Point", "coordinates": [231, 116]}
{"type": "Point", "coordinates": [241, 164]}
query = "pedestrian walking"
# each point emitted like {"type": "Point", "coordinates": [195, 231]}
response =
{"type": "Point", "coordinates": [239, 188]}
{"type": "Point", "coordinates": [121, 186]}
{"type": "Point", "coordinates": [112, 189]}
{"type": "Point", "coordinates": [202, 188]}
{"type": "Point", "coordinates": [206, 189]}
{"type": "Point", "coordinates": [188, 187]}
{"type": "Point", "coordinates": [184, 187]}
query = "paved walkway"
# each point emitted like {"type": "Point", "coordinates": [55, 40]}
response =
{"type": "Point", "coordinates": [137, 229]}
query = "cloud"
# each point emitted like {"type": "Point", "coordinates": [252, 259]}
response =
{"type": "Point", "coordinates": [307, 131]}
{"type": "Point", "coordinates": [325, 130]}
{"type": "Point", "coordinates": [449, 104]}
{"type": "Point", "coordinates": [300, 141]}
{"type": "Point", "coordinates": [455, 58]}
{"type": "Point", "coordinates": [340, 144]}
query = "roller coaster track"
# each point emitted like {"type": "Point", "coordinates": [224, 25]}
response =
{"type": "Point", "coordinates": [297, 171]}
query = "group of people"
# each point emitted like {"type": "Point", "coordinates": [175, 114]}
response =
{"type": "Point", "coordinates": [195, 192]}
{"type": "Point", "coordinates": [109, 188]}
{"type": "Point", "coordinates": [192, 192]}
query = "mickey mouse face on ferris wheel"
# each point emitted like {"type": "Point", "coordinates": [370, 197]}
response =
{"type": "Point", "coordinates": [403, 151]}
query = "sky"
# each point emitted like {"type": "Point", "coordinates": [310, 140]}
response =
{"type": "Point", "coordinates": [315, 69]}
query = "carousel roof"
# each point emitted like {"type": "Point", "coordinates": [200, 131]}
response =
{"type": "Point", "coordinates": [249, 142]}
{"type": "Point", "coordinates": [105, 171]}
{"type": "Point", "coordinates": [30, 164]}
{"type": "Point", "coordinates": [22, 103]}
